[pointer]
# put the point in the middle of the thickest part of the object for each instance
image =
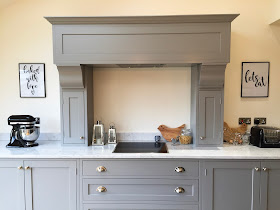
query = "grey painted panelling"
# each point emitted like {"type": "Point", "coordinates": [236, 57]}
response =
{"type": "Point", "coordinates": [50, 185]}
{"type": "Point", "coordinates": [141, 43]}
{"type": "Point", "coordinates": [11, 185]}
{"type": "Point", "coordinates": [140, 168]}
{"type": "Point", "coordinates": [138, 206]}
{"type": "Point", "coordinates": [140, 190]}
{"type": "Point", "coordinates": [73, 117]}
{"type": "Point", "coordinates": [230, 185]}
{"type": "Point", "coordinates": [210, 118]}
{"type": "Point", "coordinates": [270, 189]}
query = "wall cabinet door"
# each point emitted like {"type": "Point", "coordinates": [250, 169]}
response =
{"type": "Point", "coordinates": [12, 185]}
{"type": "Point", "coordinates": [270, 187]}
{"type": "Point", "coordinates": [210, 118]}
{"type": "Point", "coordinates": [230, 185]}
{"type": "Point", "coordinates": [73, 117]}
{"type": "Point", "coordinates": [50, 185]}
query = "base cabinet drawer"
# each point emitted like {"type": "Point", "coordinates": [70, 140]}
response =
{"type": "Point", "coordinates": [189, 169]}
{"type": "Point", "coordinates": [140, 190]}
{"type": "Point", "coordinates": [138, 206]}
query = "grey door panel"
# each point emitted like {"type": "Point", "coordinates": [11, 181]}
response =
{"type": "Point", "coordinates": [230, 185]}
{"type": "Point", "coordinates": [138, 206]}
{"type": "Point", "coordinates": [73, 117]}
{"type": "Point", "coordinates": [210, 118]}
{"type": "Point", "coordinates": [140, 168]}
{"type": "Point", "coordinates": [11, 185]}
{"type": "Point", "coordinates": [140, 190]}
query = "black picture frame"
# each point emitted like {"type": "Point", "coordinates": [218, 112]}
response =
{"type": "Point", "coordinates": [43, 80]}
{"type": "Point", "coordinates": [255, 95]}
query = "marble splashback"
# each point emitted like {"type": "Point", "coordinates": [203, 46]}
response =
{"type": "Point", "coordinates": [120, 136]}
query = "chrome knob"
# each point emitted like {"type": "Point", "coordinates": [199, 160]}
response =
{"type": "Point", "coordinates": [101, 169]}
{"type": "Point", "coordinates": [20, 167]}
{"type": "Point", "coordinates": [257, 168]}
{"type": "Point", "coordinates": [27, 167]}
{"type": "Point", "coordinates": [265, 169]}
{"type": "Point", "coordinates": [82, 137]}
{"type": "Point", "coordinates": [202, 137]}
{"type": "Point", "coordinates": [179, 190]}
{"type": "Point", "coordinates": [101, 189]}
{"type": "Point", "coordinates": [179, 169]}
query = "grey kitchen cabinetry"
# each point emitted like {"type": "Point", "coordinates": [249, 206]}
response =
{"type": "Point", "coordinates": [38, 185]}
{"type": "Point", "coordinates": [73, 117]}
{"type": "Point", "coordinates": [139, 184]}
{"type": "Point", "coordinates": [227, 185]}
{"type": "Point", "coordinates": [138, 206]}
{"type": "Point", "coordinates": [12, 185]}
{"type": "Point", "coordinates": [210, 118]}
{"type": "Point", "coordinates": [270, 187]}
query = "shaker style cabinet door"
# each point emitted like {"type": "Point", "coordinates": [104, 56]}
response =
{"type": "Point", "coordinates": [210, 118]}
{"type": "Point", "coordinates": [50, 185]}
{"type": "Point", "coordinates": [12, 185]}
{"type": "Point", "coordinates": [270, 186]}
{"type": "Point", "coordinates": [73, 117]}
{"type": "Point", "coordinates": [230, 185]}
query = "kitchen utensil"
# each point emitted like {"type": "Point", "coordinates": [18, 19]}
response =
{"type": "Point", "coordinates": [24, 133]}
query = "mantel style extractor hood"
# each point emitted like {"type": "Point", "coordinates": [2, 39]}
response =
{"type": "Point", "coordinates": [200, 41]}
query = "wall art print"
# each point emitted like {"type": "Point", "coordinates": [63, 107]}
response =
{"type": "Point", "coordinates": [32, 80]}
{"type": "Point", "coordinates": [255, 79]}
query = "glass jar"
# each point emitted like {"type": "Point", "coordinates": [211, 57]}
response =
{"type": "Point", "coordinates": [246, 138]}
{"type": "Point", "coordinates": [186, 136]}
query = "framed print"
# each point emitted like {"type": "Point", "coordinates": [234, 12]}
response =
{"type": "Point", "coordinates": [255, 79]}
{"type": "Point", "coordinates": [32, 80]}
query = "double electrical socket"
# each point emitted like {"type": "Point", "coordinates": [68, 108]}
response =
{"type": "Point", "coordinates": [247, 120]}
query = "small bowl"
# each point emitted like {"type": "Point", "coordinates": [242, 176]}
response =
{"type": "Point", "coordinates": [29, 134]}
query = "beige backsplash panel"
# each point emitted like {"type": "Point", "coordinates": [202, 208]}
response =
{"type": "Point", "coordinates": [140, 99]}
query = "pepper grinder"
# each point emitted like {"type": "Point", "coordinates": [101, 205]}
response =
{"type": "Point", "coordinates": [112, 135]}
{"type": "Point", "coordinates": [98, 134]}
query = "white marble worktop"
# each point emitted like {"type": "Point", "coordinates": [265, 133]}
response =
{"type": "Point", "coordinates": [54, 149]}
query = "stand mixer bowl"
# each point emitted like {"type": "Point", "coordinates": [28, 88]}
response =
{"type": "Point", "coordinates": [29, 134]}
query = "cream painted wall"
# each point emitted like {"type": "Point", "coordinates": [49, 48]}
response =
{"type": "Point", "coordinates": [26, 37]}
{"type": "Point", "coordinates": [139, 100]}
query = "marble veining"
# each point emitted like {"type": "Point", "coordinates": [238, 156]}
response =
{"type": "Point", "coordinates": [54, 149]}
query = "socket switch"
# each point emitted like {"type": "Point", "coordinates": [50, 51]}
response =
{"type": "Point", "coordinates": [260, 120]}
{"type": "Point", "coordinates": [246, 120]}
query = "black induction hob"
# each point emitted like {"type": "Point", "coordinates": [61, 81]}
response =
{"type": "Point", "coordinates": [141, 147]}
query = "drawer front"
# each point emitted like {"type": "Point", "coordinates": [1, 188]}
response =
{"type": "Point", "coordinates": [140, 190]}
{"type": "Point", "coordinates": [140, 168]}
{"type": "Point", "coordinates": [138, 206]}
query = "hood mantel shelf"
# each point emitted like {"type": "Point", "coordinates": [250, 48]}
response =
{"type": "Point", "coordinates": [202, 41]}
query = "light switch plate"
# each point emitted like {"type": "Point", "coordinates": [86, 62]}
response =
{"type": "Point", "coordinates": [262, 120]}
{"type": "Point", "coordinates": [246, 120]}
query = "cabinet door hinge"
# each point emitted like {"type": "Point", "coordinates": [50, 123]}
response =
{"type": "Point", "coordinates": [205, 172]}
{"type": "Point", "coordinates": [76, 171]}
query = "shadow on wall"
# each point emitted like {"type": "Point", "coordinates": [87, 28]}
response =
{"type": "Point", "coordinates": [275, 28]}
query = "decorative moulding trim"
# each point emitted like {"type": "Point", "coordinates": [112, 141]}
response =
{"type": "Point", "coordinates": [71, 76]}
{"type": "Point", "coordinates": [143, 19]}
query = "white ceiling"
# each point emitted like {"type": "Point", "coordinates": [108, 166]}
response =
{"type": "Point", "coordinates": [4, 3]}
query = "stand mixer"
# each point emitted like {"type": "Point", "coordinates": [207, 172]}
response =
{"type": "Point", "coordinates": [24, 132]}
